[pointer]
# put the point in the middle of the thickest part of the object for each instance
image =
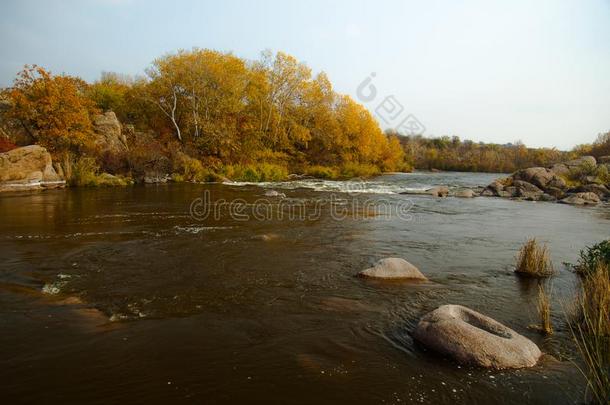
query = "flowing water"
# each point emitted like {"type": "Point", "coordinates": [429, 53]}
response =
{"type": "Point", "coordinates": [126, 295]}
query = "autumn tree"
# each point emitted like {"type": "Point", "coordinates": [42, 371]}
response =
{"type": "Point", "coordinates": [53, 110]}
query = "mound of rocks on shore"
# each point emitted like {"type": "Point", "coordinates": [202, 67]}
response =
{"type": "Point", "coordinates": [555, 184]}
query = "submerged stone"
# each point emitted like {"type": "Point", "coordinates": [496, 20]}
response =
{"type": "Point", "coordinates": [393, 268]}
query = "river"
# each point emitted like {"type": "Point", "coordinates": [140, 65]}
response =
{"type": "Point", "coordinates": [140, 295]}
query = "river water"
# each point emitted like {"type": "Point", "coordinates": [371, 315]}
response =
{"type": "Point", "coordinates": [138, 295]}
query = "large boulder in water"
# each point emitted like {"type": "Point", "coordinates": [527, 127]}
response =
{"type": "Point", "coordinates": [393, 268]}
{"type": "Point", "coordinates": [28, 168]}
{"type": "Point", "coordinates": [540, 177]}
{"type": "Point", "coordinates": [475, 339]}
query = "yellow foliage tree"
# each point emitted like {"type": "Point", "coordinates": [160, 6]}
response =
{"type": "Point", "coordinates": [52, 109]}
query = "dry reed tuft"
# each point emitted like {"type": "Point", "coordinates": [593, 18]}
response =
{"type": "Point", "coordinates": [544, 310]}
{"type": "Point", "coordinates": [533, 260]}
{"type": "Point", "coordinates": [591, 331]}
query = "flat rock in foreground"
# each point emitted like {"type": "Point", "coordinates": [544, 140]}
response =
{"type": "Point", "coordinates": [393, 268]}
{"type": "Point", "coordinates": [475, 339]}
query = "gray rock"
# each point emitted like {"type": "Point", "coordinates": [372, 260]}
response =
{"type": "Point", "coordinates": [555, 192]}
{"type": "Point", "coordinates": [525, 187]}
{"type": "Point", "coordinates": [583, 160]}
{"type": "Point", "coordinates": [560, 169]}
{"type": "Point", "coordinates": [273, 193]}
{"type": "Point", "coordinates": [581, 199]}
{"type": "Point", "coordinates": [393, 268]}
{"type": "Point", "coordinates": [493, 189]}
{"type": "Point", "coordinates": [598, 189]}
{"type": "Point", "coordinates": [465, 193]}
{"type": "Point", "coordinates": [475, 339]}
{"type": "Point", "coordinates": [592, 180]}
{"type": "Point", "coordinates": [540, 177]}
{"type": "Point", "coordinates": [603, 159]}
{"type": "Point", "coordinates": [547, 197]}
{"type": "Point", "coordinates": [509, 192]}
{"type": "Point", "coordinates": [439, 191]}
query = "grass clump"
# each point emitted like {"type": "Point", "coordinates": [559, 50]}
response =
{"type": "Point", "coordinates": [85, 173]}
{"type": "Point", "coordinates": [590, 328]}
{"type": "Point", "coordinates": [533, 260]}
{"type": "Point", "coordinates": [544, 310]}
{"type": "Point", "coordinates": [323, 172]}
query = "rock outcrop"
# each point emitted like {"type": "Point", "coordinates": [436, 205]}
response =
{"type": "Point", "coordinates": [475, 339]}
{"type": "Point", "coordinates": [28, 168]}
{"type": "Point", "coordinates": [108, 135]}
{"type": "Point", "coordinates": [393, 268]}
{"type": "Point", "coordinates": [556, 183]}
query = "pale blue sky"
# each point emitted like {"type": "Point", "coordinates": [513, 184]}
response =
{"type": "Point", "coordinates": [538, 71]}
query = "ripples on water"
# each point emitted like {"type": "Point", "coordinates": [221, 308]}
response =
{"type": "Point", "coordinates": [113, 295]}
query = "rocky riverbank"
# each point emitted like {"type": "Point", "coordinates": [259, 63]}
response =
{"type": "Point", "coordinates": [583, 181]}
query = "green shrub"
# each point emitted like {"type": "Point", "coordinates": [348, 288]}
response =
{"type": "Point", "coordinates": [351, 169]}
{"type": "Point", "coordinates": [591, 257]}
{"type": "Point", "coordinates": [190, 169]}
{"type": "Point", "coordinates": [323, 172]}
{"type": "Point", "coordinates": [256, 172]}
{"type": "Point", "coordinates": [578, 176]}
{"type": "Point", "coordinates": [84, 172]}
{"type": "Point", "coordinates": [178, 178]}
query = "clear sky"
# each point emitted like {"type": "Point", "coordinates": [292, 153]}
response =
{"type": "Point", "coordinates": [493, 71]}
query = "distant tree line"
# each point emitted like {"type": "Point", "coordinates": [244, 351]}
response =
{"type": "Point", "coordinates": [454, 154]}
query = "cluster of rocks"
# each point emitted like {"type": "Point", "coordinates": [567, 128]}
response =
{"type": "Point", "coordinates": [460, 333]}
{"type": "Point", "coordinates": [31, 167]}
{"type": "Point", "coordinates": [549, 184]}
{"type": "Point", "coordinates": [443, 191]}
